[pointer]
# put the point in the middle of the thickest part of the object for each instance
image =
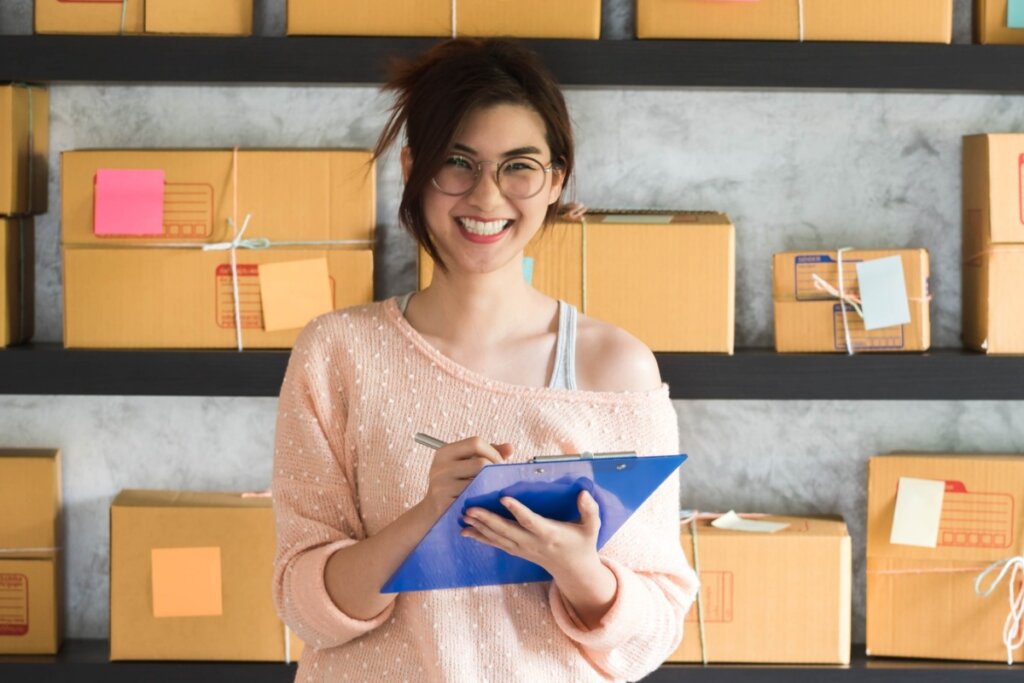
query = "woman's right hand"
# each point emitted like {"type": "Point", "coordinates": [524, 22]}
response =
{"type": "Point", "coordinates": [455, 465]}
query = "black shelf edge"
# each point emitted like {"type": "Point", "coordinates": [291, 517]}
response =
{"type": "Point", "coordinates": [86, 661]}
{"type": "Point", "coordinates": [758, 374]}
{"type": "Point", "coordinates": [613, 63]}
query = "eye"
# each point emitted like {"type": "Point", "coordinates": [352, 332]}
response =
{"type": "Point", "coordinates": [459, 162]}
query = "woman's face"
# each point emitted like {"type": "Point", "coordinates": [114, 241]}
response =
{"type": "Point", "coordinates": [486, 229]}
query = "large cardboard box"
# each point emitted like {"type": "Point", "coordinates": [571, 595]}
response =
{"type": "Point", "coordinates": [195, 17]}
{"type": "Point", "coordinates": [524, 19]}
{"type": "Point", "coordinates": [993, 243]}
{"type": "Point", "coordinates": [803, 617]}
{"type": "Point", "coordinates": [191, 576]}
{"type": "Point", "coordinates": [666, 277]}
{"type": "Point", "coordinates": [921, 601]}
{"type": "Point", "coordinates": [992, 25]}
{"type": "Point", "coordinates": [810, 320]}
{"type": "Point", "coordinates": [30, 587]}
{"type": "Point", "coordinates": [17, 280]}
{"type": "Point", "coordinates": [912, 21]}
{"type": "Point", "coordinates": [24, 146]}
{"type": "Point", "coordinates": [162, 290]}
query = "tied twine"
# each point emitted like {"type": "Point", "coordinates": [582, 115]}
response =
{"type": "Point", "coordinates": [455, 14]}
{"type": "Point", "coordinates": [578, 211]}
{"type": "Point", "coordinates": [1013, 629]}
{"type": "Point", "coordinates": [14, 551]}
{"type": "Point", "coordinates": [799, 10]}
{"type": "Point", "coordinates": [843, 296]}
{"type": "Point", "coordinates": [992, 250]}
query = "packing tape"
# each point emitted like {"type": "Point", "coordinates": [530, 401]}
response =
{"type": "Point", "coordinates": [11, 551]}
{"type": "Point", "coordinates": [799, 10]}
{"type": "Point", "coordinates": [1013, 627]}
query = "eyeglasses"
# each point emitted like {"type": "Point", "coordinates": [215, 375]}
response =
{"type": "Point", "coordinates": [517, 177]}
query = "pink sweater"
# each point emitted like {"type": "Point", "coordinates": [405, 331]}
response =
{"type": "Point", "coordinates": [360, 383]}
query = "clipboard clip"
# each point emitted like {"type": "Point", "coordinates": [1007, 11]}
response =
{"type": "Point", "coordinates": [585, 455]}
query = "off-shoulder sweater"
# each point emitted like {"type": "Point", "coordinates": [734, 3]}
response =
{"type": "Point", "coordinates": [360, 382]}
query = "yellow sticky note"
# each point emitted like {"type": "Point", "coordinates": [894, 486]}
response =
{"type": "Point", "coordinates": [918, 511]}
{"type": "Point", "coordinates": [294, 292]}
{"type": "Point", "coordinates": [186, 582]}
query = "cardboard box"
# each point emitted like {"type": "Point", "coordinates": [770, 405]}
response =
{"type": "Point", "coordinates": [524, 19]}
{"type": "Point", "coordinates": [805, 616]}
{"type": "Point", "coordinates": [30, 587]}
{"type": "Point", "coordinates": [24, 146]}
{"type": "Point", "coordinates": [189, 17]}
{"type": "Point", "coordinates": [993, 243]}
{"type": "Point", "coordinates": [191, 576]}
{"type": "Point", "coordinates": [133, 291]}
{"type": "Point", "coordinates": [910, 21]}
{"type": "Point", "coordinates": [17, 280]}
{"type": "Point", "coordinates": [808, 319]}
{"type": "Point", "coordinates": [667, 278]}
{"type": "Point", "coordinates": [992, 26]}
{"type": "Point", "coordinates": [921, 601]}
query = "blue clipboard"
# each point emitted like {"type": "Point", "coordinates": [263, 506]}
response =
{"type": "Point", "coordinates": [548, 485]}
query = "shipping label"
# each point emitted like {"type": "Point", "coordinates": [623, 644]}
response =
{"type": "Point", "coordinates": [13, 604]}
{"type": "Point", "coordinates": [188, 210]}
{"type": "Point", "coordinates": [884, 338]}
{"type": "Point", "coordinates": [976, 520]}
{"type": "Point", "coordinates": [249, 300]}
{"type": "Point", "coordinates": [827, 268]}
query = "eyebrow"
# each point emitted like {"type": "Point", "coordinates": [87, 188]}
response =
{"type": "Point", "coordinates": [518, 151]}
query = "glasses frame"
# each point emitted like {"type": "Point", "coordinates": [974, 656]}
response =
{"type": "Point", "coordinates": [479, 172]}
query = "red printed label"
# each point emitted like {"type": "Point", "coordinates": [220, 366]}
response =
{"type": "Point", "coordinates": [716, 592]}
{"type": "Point", "coordinates": [975, 520]}
{"type": "Point", "coordinates": [250, 306]}
{"type": "Point", "coordinates": [13, 604]}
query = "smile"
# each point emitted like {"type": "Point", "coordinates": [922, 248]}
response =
{"type": "Point", "coordinates": [483, 227]}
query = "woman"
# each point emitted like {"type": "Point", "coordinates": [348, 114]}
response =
{"type": "Point", "coordinates": [483, 361]}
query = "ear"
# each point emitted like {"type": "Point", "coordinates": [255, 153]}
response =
{"type": "Point", "coordinates": [406, 163]}
{"type": "Point", "coordinates": [557, 182]}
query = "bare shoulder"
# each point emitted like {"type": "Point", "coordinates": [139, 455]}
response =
{"type": "Point", "coordinates": [610, 359]}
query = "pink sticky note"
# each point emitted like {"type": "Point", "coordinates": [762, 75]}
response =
{"type": "Point", "coordinates": [128, 202]}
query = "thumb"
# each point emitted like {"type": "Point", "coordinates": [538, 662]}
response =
{"type": "Point", "coordinates": [590, 514]}
{"type": "Point", "coordinates": [504, 449]}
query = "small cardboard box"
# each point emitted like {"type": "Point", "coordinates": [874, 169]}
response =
{"type": "Point", "coordinates": [921, 601]}
{"type": "Point", "coordinates": [190, 578]}
{"type": "Point", "coordinates": [993, 243]}
{"type": "Point", "coordinates": [805, 616]}
{"type": "Point", "coordinates": [30, 594]}
{"type": "Point", "coordinates": [579, 19]}
{"type": "Point", "coordinates": [808, 319]}
{"type": "Point", "coordinates": [911, 21]}
{"type": "Point", "coordinates": [17, 280]}
{"type": "Point", "coordinates": [668, 278]}
{"type": "Point", "coordinates": [992, 24]}
{"type": "Point", "coordinates": [162, 290]}
{"type": "Point", "coordinates": [24, 146]}
{"type": "Point", "coordinates": [187, 17]}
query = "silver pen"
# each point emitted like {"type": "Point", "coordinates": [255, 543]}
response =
{"type": "Point", "coordinates": [431, 442]}
{"type": "Point", "coordinates": [428, 441]}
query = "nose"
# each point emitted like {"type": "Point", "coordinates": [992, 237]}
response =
{"type": "Point", "coordinates": [486, 194]}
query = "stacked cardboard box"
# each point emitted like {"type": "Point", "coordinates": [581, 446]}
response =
{"type": "Point", "coordinates": [999, 22]}
{"type": "Point", "coordinates": [916, 21]}
{"type": "Point", "coordinates": [803, 617]}
{"type": "Point", "coordinates": [30, 584]}
{"type": "Point", "coordinates": [195, 17]}
{"type": "Point", "coordinates": [135, 224]}
{"type": "Point", "coordinates": [808, 318]}
{"type": "Point", "coordinates": [579, 19]}
{"type": "Point", "coordinates": [190, 578]}
{"type": "Point", "coordinates": [666, 277]}
{"type": "Point", "coordinates": [921, 600]}
{"type": "Point", "coordinates": [993, 243]}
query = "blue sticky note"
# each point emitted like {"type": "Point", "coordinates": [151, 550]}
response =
{"type": "Point", "coordinates": [883, 292]}
{"type": "Point", "coordinates": [528, 269]}
{"type": "Point", "coordinates": [1015, 14]}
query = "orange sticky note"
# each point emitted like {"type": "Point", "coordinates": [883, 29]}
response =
{"type": "Point", "coordinates": [128, 202]}
{"type": "Point", "coordinates": [186, 582]}
{"type": "Point", "coordinates": [294, 292]}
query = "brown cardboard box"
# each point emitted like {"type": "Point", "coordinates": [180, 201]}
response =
{"type": "Point", "coordinates": [667, 278]}
{"type": "Point", "coordinates": [810, 320]}
{"type": "Point", "coordinates": [190, 578]}
{"type": "Point", "coordinates": [24, 146]}
{"type": "Point", "coordinates": [191, 17]}
{"type": "Point", "coordinates": [523, 19]}
{"type": "Point", "coordinates": [990, 24]}
{"type": "Point", "coordinates": [912, 21]}
{"type": "Point", "coordinates": [921, 601]}
{"type": "Point", "coordinates": [17, 280]}
{"type": "Point", "coordinates": [130, 292]}
{"type": "Point", "coordinates": [30, 494]}
{"type": "Point", "coordinates": [993, 243]}
{"type": "Point", "coordinates": [805, 616]}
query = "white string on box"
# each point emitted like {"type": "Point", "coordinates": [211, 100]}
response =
{"type": "Point", "coordinates": [1013, 628]}
{"type": "Point", "coordinates": [455, 14]}
{"type": "Point", "coordinates": [10, 551]}
{"type": "Point", "coordinates": [842, 295]}
{"type": "Point", "coordinates": [124, 12]}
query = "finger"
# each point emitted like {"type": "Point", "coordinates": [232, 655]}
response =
{"type": "Point", "coordinates": [471, 448]}
{"type": "Point", "coordinates": [527, 518]}
{"type": "Point", "coordinates": [467, 469]}
{"type": "Point", "coordinates": [590, 513]}
{"type": "Point", "coordinates": [505, 449]}
{"type": "Point", "coordinates": [480, 538]}
{"type": "Point", "coordinates": [498, 531]}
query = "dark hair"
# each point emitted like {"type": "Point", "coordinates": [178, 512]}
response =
{"type": "Point", "coordinates": [437, 90]}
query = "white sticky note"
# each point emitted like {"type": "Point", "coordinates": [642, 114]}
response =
{"type": "Point", "coordinates": [733, 522]}
{"type": "Point", "coordinates": [883, 292]}
{"type": "Point", "coordinates": [918, 510]}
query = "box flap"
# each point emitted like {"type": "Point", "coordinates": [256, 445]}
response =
{"type": "Point", "coordinates": [205, 499]}
{"type": "Point", "coordinates": [798, 526]}
{"type": "Point", "coordinates": [793, 271]}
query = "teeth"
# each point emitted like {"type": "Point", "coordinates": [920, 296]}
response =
{"type": "Point", "coordinates": [483, 227]}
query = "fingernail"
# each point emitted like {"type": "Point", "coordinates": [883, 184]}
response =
{"type": "Point", "coordinates": [506, 501]}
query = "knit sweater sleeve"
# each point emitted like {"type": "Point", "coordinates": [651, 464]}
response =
{"type": "Point", "coordinates": [656, 585]}
{"type": "Point", "coordinates": [316, 507]}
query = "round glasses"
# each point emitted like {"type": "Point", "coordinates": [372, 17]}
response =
{"type": "Point", "coordinates": [517, 177]}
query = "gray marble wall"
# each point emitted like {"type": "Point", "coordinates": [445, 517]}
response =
{"type": "Point", "coordinates": [793, 169]}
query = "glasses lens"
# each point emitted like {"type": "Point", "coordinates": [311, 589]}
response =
{"type": "Point", "coordinates": [457, 175]}
{"type": "Point", "coordinates": [520, 177]}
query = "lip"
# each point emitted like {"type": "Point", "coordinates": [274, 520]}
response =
{"type": "Point", "coordinates": [483, 239]}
